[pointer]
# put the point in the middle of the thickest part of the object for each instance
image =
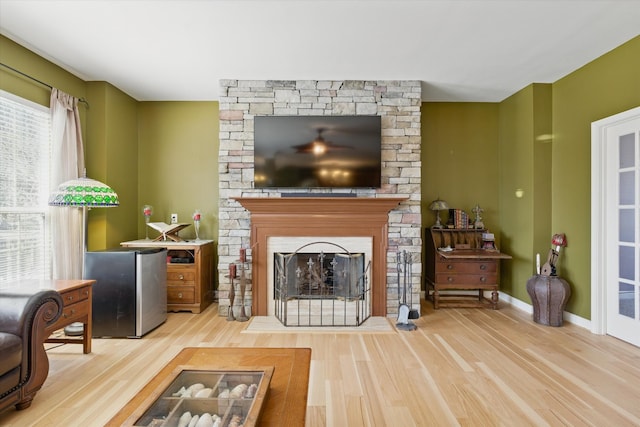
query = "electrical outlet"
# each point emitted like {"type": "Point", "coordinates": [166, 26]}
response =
{"type": "Point", "coordinates": [174, 218]}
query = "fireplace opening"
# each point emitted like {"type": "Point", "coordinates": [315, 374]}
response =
{"type": "Point", "coordinates": [321, 288]}
{"type": "Point", "coordinates": [320, 274]}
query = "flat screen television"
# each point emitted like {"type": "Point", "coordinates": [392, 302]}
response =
{"type": "Point", "coordinates": [317, 151]}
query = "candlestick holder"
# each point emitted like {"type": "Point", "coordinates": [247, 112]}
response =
{"type": "Point", "coordinates": [243, 283]}
{"type": "Point", "coordinates": [232, 294]}
{"type": "Point", "coordinates": [237, 275]}
{"type": "Point", "coordinates": [147, 211]}
{"type": "Point", "coordinates": [196, 223]}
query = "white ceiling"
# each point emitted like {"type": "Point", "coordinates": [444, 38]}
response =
{"type": "Point", "coordinates": [461, 50]}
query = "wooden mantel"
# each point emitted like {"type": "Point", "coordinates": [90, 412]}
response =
{"type": "Point", "coordinates": [319, 217]}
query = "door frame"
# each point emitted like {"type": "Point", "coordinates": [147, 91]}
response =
{"type": "Point", "coordinates": [599, 215]}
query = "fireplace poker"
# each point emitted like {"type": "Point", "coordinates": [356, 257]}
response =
{"type": "Point", "coordinates": [398, 274]}
{"type": "Point", "coordinates": [413, 313]}
{"type": "Point", "coordinates": [403, 309]}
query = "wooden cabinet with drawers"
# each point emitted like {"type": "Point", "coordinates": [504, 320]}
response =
{"type": "Point", "coordinates": [77, 298]}
{"type": "Point", "coordinates": [456, 264]}
{"type": "Point", "coordinates": [189, 273]}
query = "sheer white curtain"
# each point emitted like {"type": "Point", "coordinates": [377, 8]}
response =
{"type": "Point", "coordinates": [67, 163]}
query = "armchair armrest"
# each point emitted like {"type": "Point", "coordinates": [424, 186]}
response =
{"type": "Point", "coordinates": [27, 315]}
{"type": "Point", "coordinates": [19, 309]}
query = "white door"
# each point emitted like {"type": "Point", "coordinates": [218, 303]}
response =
{"type": "Point", "coordinates": [618, 253]}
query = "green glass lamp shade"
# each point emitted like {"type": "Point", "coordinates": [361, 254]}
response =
{"type": "Point", "coordinates": [84, 192]}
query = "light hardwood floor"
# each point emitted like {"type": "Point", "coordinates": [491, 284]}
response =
{"type": "Point", "coordinates": [468, 367]}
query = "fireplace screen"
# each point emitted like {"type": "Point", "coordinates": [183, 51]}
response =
{"type": "Point", "coordinates": [321, 288]}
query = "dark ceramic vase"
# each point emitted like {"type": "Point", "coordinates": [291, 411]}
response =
{"type": "Point", "coordinates": [549, 296]}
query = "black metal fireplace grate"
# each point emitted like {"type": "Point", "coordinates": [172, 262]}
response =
{"type": "Point", "coordinates": [321, 288]}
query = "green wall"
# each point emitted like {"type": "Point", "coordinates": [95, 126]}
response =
{"type": "Point", "coordinates": [525, 184]}
{"type": "Point", "coordinates": [459, 159]}
{"type": "Point", "coordinates": [606, 86]}
{"type": "Point", "coordinates": [112, 157]}
{"type": "Point", "coordinates": [178, 166]}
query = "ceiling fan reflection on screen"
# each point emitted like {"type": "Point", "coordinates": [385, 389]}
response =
{"type": "Point", "coordinates": [319, 145]}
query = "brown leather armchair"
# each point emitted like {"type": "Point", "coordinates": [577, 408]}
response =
{"type": "Point", "coordinates": [24, 364]}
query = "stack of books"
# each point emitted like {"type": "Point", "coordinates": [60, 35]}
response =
{"type": "Point", "coordinates": [458, 219]}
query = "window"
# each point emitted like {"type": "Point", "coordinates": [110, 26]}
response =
{"type": "Point", "coordinates": [25, 153]}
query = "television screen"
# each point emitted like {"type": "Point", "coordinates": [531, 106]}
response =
{"type": "Point", "coordinates": [317, 151]}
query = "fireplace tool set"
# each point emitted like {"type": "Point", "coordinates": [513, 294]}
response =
{"type": "Point", "coordinates": [404, 273]}
{"type": "Point", "coordinates": [242, 284]}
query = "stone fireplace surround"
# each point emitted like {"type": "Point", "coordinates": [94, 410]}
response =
{"type": "Point", "coordinates": [398, 103]}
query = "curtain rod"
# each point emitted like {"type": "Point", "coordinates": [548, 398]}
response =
{"type": "Point", "coordinates": [82, 100]}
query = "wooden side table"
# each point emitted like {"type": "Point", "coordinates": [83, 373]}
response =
{"type": "Point", "coordinates": [77, 298]}
{"type": "Point", "coordinates": [189, 283]}
{"type": "Point", "coordinates": [77, 302]}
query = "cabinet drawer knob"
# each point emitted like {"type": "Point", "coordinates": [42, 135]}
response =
{"type": "Point", "coordinates": [449, 267]}
{"type": "Point", "coordinates": [69, 298]}
{"type": "Point", "coordinates": [179, 294]}
{"type": "Point", "coordinates": [483, 266]}
{"type": "Point", "coordinates": [181, 277]}
{"type": "Point", "coordinates": [449, 279]}
{"type": "Point", "coordinates": [483, 279]}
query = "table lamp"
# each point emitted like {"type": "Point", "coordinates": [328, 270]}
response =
{"type": "Point", "coordinates": [438, 205]}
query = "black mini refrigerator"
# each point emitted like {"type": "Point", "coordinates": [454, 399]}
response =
{"type": "Point", "coordinates": [130, 293]}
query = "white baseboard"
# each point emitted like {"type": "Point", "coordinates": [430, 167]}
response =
{"type": "Point", "coordinates": [528, 308]}
{"type": "Point", "coordinates": [568, 317]}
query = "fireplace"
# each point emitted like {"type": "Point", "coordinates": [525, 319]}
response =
{"type": "Point", "coordinates": [393, 228]}
{"type": "Point", "coordinates": [319, 281]}
{"type": "Point", "coordinates": [311, 218]}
